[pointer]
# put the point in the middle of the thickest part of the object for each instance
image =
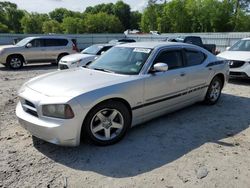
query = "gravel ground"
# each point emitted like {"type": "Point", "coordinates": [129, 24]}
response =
{"type": "Point", "coordinates": [199, 146]}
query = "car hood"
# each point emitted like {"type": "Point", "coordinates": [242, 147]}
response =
{"type": "Point", "coordinates": [74, 82]}
{"type": "Point", "coordinates": [76, 57]}
{"type": "Point", "coordinates": [7, 46]}
{"type": "Point", "coordinates": [235, 55]}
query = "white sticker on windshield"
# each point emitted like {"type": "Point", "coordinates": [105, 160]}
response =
{"type": "Point", "coordinates": [142, 50]}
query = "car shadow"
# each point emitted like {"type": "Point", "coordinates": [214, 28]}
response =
{"type": "Point", "coordinates": [31, 67]}
{"type": "Point", "coordinates": [239, 81]}
{"type": "Point", "coordinates": [157, 142]}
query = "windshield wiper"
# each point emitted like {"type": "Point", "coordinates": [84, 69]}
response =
{"type": "Point", "coordinates": [104, 70]}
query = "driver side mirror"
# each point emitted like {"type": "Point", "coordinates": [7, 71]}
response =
{"type": "Point", "coordinates": [29, 45]}
{"type": "Point", "coordinates": [160, 67]}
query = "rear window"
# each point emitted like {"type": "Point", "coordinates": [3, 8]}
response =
{"type": "Point", "coordinates": [194, 57]}
{"type": "Point", "coordinates": [56, 42]}
{"type": "Point", "coordinates": [193, 40]}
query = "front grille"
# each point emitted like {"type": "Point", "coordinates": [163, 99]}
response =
{"type": "Point", "coordinates": [238, 74]}
{"type": "Point", "coordinates": [29, 107]}
{"type": "Point", "coordinates": [236, 64]}
{"type": "Point", "coordinates": [62, 67]}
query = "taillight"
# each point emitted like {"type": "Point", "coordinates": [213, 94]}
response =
{"type": "Point", "coordinates": [74, 47]}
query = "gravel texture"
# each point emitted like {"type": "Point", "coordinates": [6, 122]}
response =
{"type": "Point", "coordinates": [199, 146]}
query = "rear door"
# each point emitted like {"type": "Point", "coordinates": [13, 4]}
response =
{"type": "Point", "coordinates": [197, 72]}
{"type": "Point", "coordinates": [54, 47]}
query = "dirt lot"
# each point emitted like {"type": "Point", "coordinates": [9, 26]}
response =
{"type": "Point", "coordinates": [200, 146]}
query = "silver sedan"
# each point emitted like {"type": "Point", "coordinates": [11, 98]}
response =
{"type": "Point", "coordinates": [128, 85]}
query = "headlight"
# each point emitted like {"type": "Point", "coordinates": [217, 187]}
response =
{"type": "Point", "coordinates": [62, 111]}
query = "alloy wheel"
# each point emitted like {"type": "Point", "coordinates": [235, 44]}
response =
{"type": "Point", "coordinates": [107, 124]}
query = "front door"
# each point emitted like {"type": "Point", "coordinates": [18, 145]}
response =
{"type": "Point", "coordinates": [165, 90]}
{"type": "Point", "coordinates": [37, 52]}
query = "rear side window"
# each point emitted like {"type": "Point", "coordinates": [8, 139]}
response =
{"type": "Point", "coordinates": [172, 58]}
{"type": "Point", "coordinates": [193, 40]}
{"type": "Point", "coordinates": [194, 57]}
{"type": "Point", "coordinates": [56, 42]}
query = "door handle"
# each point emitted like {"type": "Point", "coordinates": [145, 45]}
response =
{"type": "Point", "coordinates": [183, 74]}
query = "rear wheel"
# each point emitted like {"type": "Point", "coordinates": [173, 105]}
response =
{"type": "Point", "coordinates": [214, 91]}
{"type": "Point", "coordinates": [107, 123]}
{"type": "Point", "coordinates": [15, 62]}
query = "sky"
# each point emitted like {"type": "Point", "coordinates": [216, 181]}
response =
{"type": "Point", "coordinates": [45, 6]}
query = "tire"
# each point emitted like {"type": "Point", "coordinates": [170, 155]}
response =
{"type": "Point", "coordinates": [107, 123]}
{"type": "Point", "coordinates": [214, 91]}
{"type": "Point", "coordinates": [15, 62]}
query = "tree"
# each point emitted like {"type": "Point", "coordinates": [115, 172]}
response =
{"type": "Point", "coordinates": [33, 23]}
{"type": "Point", "coordinates": [11, 17]}
{"type": "Point", "coordinates": [60, 13]}
{"type": "Point", "coordinates": [150, 16]}
{"type": "Point", "coordinates": [122, 11]}
{"type": "Point", "coordinates": [102, 23]}
{"type": "Point", "coordinates": [73, 25]}
{"type": "Point", "coordinates": [107, 8]}
{"type": "Point", "coordinates": [135, 19]}
{"type": "Point", "coordinates": [4, 28]}
{"type": "Point", "coordinates": [52, 26]}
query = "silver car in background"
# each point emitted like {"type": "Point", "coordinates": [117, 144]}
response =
{"type": "Point", "coordinates": [36, 50]}
{"type": "Point", "coordinates": [128, 85]}
{"type": "Point", "coordinates": [85, 57]}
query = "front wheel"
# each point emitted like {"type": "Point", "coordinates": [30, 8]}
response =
{"type": "Point", "coordinates": [15, 62]}
{"type": "Point", "coordinates": [214, 91]}
{"type": "Point", "coordinates": [107, 123]}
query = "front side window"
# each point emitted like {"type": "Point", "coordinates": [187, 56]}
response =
{"type": "Point", "coordinates": [37, 43]}
{"type": "Point", "coordinates": [172, 58]}
{"type": "Point", "coordinates": [242, 45]}
{"type": "Point", "coordinates": [122, 60]}
{"type": "Point", "coordinates": [194, 57]}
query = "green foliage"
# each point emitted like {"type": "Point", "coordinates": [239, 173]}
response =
{"type": "Point", "coordinates": [52, 26]}
{"type": "Point", "coordinates": [72, 25]}
{"type": "Point", "coordinates": [161, 15]}
{"type": "Point", "coordinates": [60, 13]}
{"type": "Point", "coordinates": [102, 23]}
{"type": "Point", "coordinates": [11, 17]}
{"type": "Point", "coordinates": [196, 16]}
{"type": "Point", "coordinates": [3, 28]}
{"type": "Point", "coordinates": [33, 23]}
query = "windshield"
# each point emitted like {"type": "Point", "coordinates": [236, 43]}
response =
{"type": "Point", "coordinates": [93, 50]}
{"type": "Point", "coordinates": [23, 42]}
{"type": "Point", "coordinates": [122, 60]}
{"type": "Point", "coordinates": [242, 45]}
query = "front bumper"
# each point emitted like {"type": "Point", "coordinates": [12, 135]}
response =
{"type": "Point", "coordinates": [241, 72]}
{"type": "Point", "coordinates": [58, 131]}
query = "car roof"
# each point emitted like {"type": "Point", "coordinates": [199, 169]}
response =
{"type": "Point", "coordinates": [246, 38]}
{"type": "Point", "coordinates": [48, 37]}
{"type": "Point", "coordinates": [103, 45]}
{"type": "Point", "coordinates": [152, 44]}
